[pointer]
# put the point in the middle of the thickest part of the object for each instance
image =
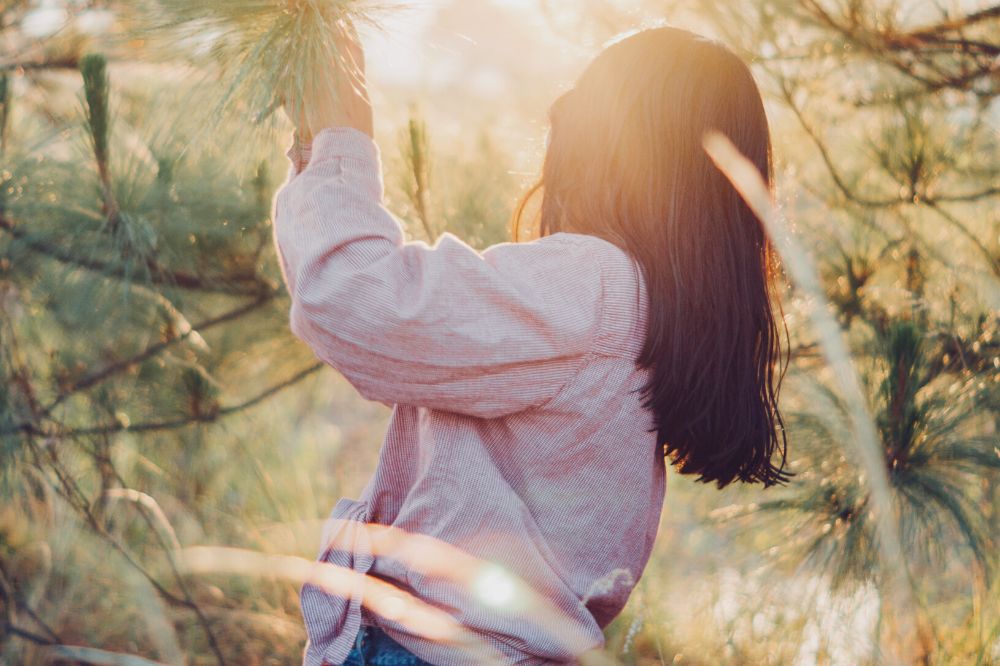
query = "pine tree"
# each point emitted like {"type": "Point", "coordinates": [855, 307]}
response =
{"type": "Point", "coordinates": [902, 208]}
{"type": "Point", "coordinates": [141, 317]}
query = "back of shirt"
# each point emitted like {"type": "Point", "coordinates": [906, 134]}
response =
{"type": "Point", "coordinates": [517, 435]}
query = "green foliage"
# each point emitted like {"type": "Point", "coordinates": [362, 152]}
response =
{"type": "Point", "coordinates": [127, 320]}
{"type": "Point", "coordinates": [473, 190]}
{"type": "Point", "coordinates": [416, 154]}
{"type": "Point", "coordinates": [263, 47]}
{"type": "Point", "coordinates": [150, 392]}
{"type": "Point", "coordinates": [5, 98]}
{"type": "Point", "coordinates": [934, 455]}
{"type": "Point", "coordinates": [96, 89]}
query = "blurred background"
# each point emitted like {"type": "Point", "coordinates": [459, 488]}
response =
{"type": "Point", "coordinates": [152, 397]}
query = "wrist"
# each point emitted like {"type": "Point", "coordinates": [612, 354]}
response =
{"type": "Point", "coordinates": [302, 137]}
{"type": "Point", "coordinates": [300, 151]}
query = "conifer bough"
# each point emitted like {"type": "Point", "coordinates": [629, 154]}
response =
{"type": "Point", "coordinates": [94, 70]}
{"type": "Point", "coordinates": [96, 90]}
{"type": "Point", "coordinates": [264, 47]}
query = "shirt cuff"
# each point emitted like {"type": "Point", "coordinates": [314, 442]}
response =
{"type": "Point", "coordinates": [299, 154]}
{"type": "Point", "coordinates": [332, 142]}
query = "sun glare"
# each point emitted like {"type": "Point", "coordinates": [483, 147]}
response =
{"type": "Point", "coordinates": [494, 586]}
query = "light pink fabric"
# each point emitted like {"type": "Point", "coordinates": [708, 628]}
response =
{"type": "Point", "coordinates": [517, 433]}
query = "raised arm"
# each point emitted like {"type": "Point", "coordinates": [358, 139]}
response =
{"type": "Point", "coordinates": [480, 333]}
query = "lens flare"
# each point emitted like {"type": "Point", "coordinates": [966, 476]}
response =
{"type": "Point", "coordinates": [494, 586]}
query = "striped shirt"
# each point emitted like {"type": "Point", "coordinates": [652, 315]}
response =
{"type": "Point", "coordinates": [517, 433]}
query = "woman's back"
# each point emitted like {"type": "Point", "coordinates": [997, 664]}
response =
{"type": "Point", "coordinates": [537, 458]}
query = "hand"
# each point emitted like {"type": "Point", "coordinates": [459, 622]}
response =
{"type": "Point", "coordinates": [337, 98]}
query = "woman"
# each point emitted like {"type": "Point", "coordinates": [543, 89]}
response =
{"type": "Point", "coordinates": [536, 387]}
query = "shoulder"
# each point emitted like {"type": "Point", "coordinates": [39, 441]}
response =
{"type": "Point", "coordinates": [563, 267]}
{"type": "Point", "coordinates": [626, 298]}
{"type": "Point", "coordinates": [580, 252]}
{"type": "Point", "coordinates": [592, 272]}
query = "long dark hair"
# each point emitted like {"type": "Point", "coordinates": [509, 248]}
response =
{"type": "Point", "coordinates": [625, 163]}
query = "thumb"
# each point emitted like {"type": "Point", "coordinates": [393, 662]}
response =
{"type": "Point", "coordinates": [351, 53]}
{"type": "Point", "coordinates": [294, 108]}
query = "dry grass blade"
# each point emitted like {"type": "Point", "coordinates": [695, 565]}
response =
{"type": "Point", "coordinates": [484, 580]}
{"type": "Point", "coordinates": [147, 501]}
{"type": "Point", "coordinates": [380, 597]}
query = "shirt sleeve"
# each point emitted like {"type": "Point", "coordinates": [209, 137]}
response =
{"type": "Point", "coordinates": [445, 326]}
{"type": "Point", "coordinates": [298, 155]}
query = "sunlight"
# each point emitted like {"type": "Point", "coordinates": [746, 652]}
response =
{"type": "Point", "coordinates": [156, 401]}
{"type": "Point", "coordinates": [494, 586]}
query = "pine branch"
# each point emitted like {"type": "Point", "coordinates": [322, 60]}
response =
{"type": "Point", "coordinates": [827, 158]}
{"type": "Point", "coordinates": [121, 365]}
{"type": "Point", "coordinates": [263, 48]}
{"type": "Point", "coordinates": [968, 197]}
{"type": "Point", "coordinates": [956, 224]}
{"type": "Point", "coordinates": [173, 424]}
{"type": "Point", "coordinates": [168, 550]}
{"type": "Point", "coordinates": [75, 496]}
{"type": "Point", "coordinates": [417, 154]}
{"type": "Point", "coordinates": [957, 24]}
{"type": "Point", "coordinates": [14, 598]}
{"type": "Point", "coordinates": [932, 202]}
{"type": "Point", "coordinates": [885, 45]}
{"type": "Point", "coordinates": [97, 90]}
{"type": "Point", "coordinates": [13, 65]}
{"type": "Point", "coordinates": [5, 97]}
{"type": "Point", "coordinates": [240, 285]}
{"type": "Point", "coordinates": [27, 635]}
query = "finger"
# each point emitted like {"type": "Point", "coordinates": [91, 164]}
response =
{"type": "Point", "coordinates": [355, 78]}
{"type": "Point", "coordinates": [350, 49]}
{"type": "Point", "coordinates": [352, 34]}
{"type": "Point", "coordinates": [357, 54]}
{"type": "Point", "coordinates": [352, 72]}
{"type": "Point", "coordinates": [352, 30]}
{"type": "Point", "coordinates": [349, 66]}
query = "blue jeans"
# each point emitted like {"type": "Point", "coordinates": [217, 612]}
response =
{"type": "Point", "coordinates": [373, 647]}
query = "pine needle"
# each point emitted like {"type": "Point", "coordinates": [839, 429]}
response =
{"type": "Point", "coordinates": [261, 47]}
